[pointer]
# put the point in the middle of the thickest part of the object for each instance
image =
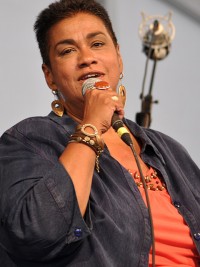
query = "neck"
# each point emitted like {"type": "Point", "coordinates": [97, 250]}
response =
{"type": "Point", "coordinates": [74, 113]}
{"type": "Point", "coordinates": [111, 138]}
{"type": "Point", "coordinates": [74, 116]}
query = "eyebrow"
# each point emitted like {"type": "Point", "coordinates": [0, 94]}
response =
{"type": "Point", "coordinates": [73, 42]}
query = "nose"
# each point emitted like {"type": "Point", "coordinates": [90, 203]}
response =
{"type": "Point", "coordinates": [86, 58]}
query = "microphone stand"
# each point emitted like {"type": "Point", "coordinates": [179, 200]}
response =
{"type": "Point", "coordinates": [143, 118]}
{"type": "Point", "coordinates": [156, 45]}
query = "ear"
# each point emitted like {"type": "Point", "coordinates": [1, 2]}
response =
{"type": "Point", "coordinates": [49, 77]}
{"type": "Point", "coordinates": [121, 65]}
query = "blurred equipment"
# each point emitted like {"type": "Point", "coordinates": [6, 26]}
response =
{"type": "Point", "coordinates": [156, 33]}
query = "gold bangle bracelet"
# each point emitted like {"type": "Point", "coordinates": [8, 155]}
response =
{"type": "Point", "coordinates": [82, 129]}
{"type": "Point", "coordinates": [96, 143]}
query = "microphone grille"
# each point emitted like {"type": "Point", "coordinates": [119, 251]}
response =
{"type": "Point", "coordinates": [89, 84]}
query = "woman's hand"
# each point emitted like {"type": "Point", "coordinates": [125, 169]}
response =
{"type": "Point", "coordinates": [99, 108]}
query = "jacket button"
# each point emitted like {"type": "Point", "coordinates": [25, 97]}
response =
{"type": "Point", "coordinates": [177, 204]}
{"type": "Point", "coordinates": [78, 232]}
{"type": "Point", "coordinates": [197, 236]}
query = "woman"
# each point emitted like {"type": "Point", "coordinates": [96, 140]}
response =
{"type": "Point", "coordinates": [71, 193]}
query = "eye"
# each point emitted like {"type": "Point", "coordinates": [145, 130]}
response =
{"type": "Point", "coordinates": [98, 44]}
{"type": "Point", "coordinates": [67, 51]}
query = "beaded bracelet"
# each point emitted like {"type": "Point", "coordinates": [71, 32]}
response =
{"type": "Point", "coordinates": [93, 140]}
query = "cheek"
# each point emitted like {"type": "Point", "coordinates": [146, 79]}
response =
{"type": "Point", "coordinates": [63, 76]}
{"type": "Point", "coordinates": [114, 67]}
{"type": "Point", "coordinates": [70, 91]}
{"type": "Point", "coordinates": [64, 68]}
{"type": "Point", "coordinates": [115, 63]}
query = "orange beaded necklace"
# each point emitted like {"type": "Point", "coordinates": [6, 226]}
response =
{"type": "Point", "coordinates": [151, 179]}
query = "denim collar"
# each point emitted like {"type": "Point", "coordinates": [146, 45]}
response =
{"type": "Point", "coordinates": [140, 133]}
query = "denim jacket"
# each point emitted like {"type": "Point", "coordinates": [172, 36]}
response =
{"type": "Point", "coordinates": [40, 221]}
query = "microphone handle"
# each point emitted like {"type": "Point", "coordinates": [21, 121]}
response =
{"type": "Point", "coordinates": [118, 126]}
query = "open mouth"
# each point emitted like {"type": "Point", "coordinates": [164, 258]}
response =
{"type": "Point", "coordinates": [90, 75]}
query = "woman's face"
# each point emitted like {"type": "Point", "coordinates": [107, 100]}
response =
{"type": "Point", "coordinates": [80, 47]}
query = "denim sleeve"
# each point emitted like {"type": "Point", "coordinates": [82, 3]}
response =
{"type": "Point", "coordinates": [39, 212]}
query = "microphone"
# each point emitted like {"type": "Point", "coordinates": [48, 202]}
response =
{"type": "Point", "coordinates": [116, 123]}
{"type": "Point", "coordinates": [156, 33]}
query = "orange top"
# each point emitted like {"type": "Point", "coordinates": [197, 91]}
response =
{"type": "Point", "coordinates": [173, 243]}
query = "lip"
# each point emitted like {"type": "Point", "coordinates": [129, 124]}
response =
{"type": "Point", "coordinates": [84, 76]}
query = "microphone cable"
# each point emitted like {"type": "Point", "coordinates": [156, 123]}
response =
{"type": "Point", "coordinates": [148, 202]}
{"type": "Point", "coordinates": [124, 134]}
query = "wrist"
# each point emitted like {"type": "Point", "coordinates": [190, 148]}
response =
{"type": "Point", "coordinates": [87, 134]}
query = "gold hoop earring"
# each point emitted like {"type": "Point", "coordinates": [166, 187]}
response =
{"type": "Point", "coordinates": [122, 90]}
{"type": "Point", "coordinates": [57, 105]}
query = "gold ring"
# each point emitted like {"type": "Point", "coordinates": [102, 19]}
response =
{"type": "Point", "coordinates": [115, 98]}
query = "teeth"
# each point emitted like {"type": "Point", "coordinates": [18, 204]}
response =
{"type": "Point", "coordinates": [91, 76]}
